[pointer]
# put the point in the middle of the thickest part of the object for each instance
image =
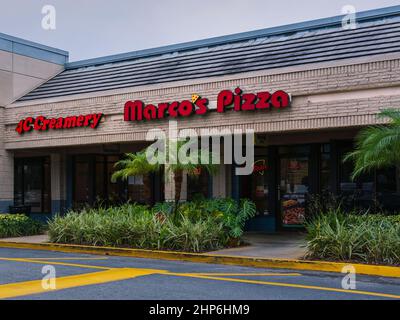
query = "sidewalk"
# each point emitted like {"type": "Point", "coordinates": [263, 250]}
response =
{"type": "Point", "coordinates": [29, 239]}
{"type": "Point", "coordinates": [285, 245]}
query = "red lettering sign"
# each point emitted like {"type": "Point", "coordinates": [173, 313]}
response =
{"type": "Point", "coordinates": [226, 100]}
{"type": "Point", "coordinates": [43, 124]}
{"type": "Point", "coordinates": [251, 101]}
{"type": "Point", "coordinates": [137, 110]}
{"type": "Point", "coordinates": [260, 166]}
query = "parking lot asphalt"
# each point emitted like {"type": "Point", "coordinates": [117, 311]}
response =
{"type": "Point", "coordinates": [25, 274]}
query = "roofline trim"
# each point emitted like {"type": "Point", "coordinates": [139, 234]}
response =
{"type": "Point", "coordinates": [33, 44]}
{"type": "Point", "coordinates": [33, 50]}
{"type": "Point", "coordinates": [295, 27]}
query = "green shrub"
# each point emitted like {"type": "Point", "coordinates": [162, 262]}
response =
{"type": "Point", "coordinates": [201, 226]}
{"type": "Point", "coordinates": [232, 214]}
{"type": "Point", "coordinates": [18, 225]}
{"type": "Point", "coordinates": [349, 237]}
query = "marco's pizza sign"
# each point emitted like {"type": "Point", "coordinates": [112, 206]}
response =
{"type": "Point", "coordinates": [227, 100]}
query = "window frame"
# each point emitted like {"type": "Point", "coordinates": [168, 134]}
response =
{"type": "Point", "coordinates": [22, 162]}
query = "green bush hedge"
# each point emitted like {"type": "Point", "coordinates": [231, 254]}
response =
{"type": "Point", "coordinates": [18, 225]}
{"type": "Point", "coordinates": [348, 237]}
{"type": "Point", "coordinates": [197, 226]}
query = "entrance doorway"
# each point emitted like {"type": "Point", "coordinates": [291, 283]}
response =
{"type": "Point", "coordinates": [282, 182]}
{"type": "Point", "coordinates": [257, 187]}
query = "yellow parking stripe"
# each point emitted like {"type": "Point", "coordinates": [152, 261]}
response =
{"type": "Point", "coordinates": [291, 285]}
{"type": "Point", "coordinates": [72, 258]}
{"type": "Point", "coordinates": [55, 263]}
{"type": "Point", "coordinates": [245, 274]}
{"type": "Point", "coordinates": [14, 290]}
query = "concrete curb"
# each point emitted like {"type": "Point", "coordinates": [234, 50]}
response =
{"type": "Point", "coordinates": [373, 270]}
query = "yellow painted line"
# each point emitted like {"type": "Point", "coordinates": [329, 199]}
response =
{"type": "Point", "coordinates": [19, 289]}
{"type": "Point", "coordinates": [257, 262]}
{"type": "Point", "coordinates": [292, 285]}
{"type": "Point", "coordinates": [66, 259]}
{"type": "Point", "coordinates": [245, 274]}
{"type": "Point", "coordinates": [54, 263]}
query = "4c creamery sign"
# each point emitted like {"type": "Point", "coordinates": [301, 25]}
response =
{"type": "Point", "coordinates": [234, 100]}
{"type": "Point", "coordinates": [43, 124]}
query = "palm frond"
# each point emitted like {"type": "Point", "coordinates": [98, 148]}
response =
{"type": "Point", "coordinates": [194, 160]}
{"type": "Point", "coordinates": [134, 164]}
{"type": "Point", "coordinates": [377, 146]}
{"type": "Point", "coordinates": [392, 114]}
{"type": "Point", "coordinates": [138, 163]}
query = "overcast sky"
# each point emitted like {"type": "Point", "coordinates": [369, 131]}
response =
{"type": "Point", "coordinates": [93, 28]}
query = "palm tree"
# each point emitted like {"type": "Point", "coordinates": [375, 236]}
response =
{"type": "Point", "coordinates": [377, 146]}
{"type": "Point", "coordinates": [138, 164]}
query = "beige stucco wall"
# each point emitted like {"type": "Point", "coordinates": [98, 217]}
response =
{"type": "Point", "coordinates": [20, 75]}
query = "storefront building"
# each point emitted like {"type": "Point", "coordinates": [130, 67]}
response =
{"type": "Point", "coordinates": [63, 130]}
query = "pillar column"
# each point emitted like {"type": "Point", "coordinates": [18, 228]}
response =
{"type": "Point", "coordinates": [219, 180]}
{"type": "Point", "coordinates": [6, 170]}
{"type": "Point", "coordinates": [219, 183]}
{"type": "Point", "coordinates": [58, 183]}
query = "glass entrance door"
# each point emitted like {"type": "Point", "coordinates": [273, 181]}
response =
{"type": "Point", "coordinates": [293, 185]}
{"type": "Point", "coordinates": [259, 186]}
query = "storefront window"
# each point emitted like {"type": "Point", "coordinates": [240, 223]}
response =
{"type": "Point", "coordinates": [139, 188]}
{"type": "Point", "coordinates": [198, 186]}
{"type": "Point", "coordinates": [294, 184]}
{"type": "Point", "coordinates": [100, 185]}
{"type": "Point", "coordinates": [114, 189]}
{"type": "Point", "coordinates": [378, 190]}
{"type": "Point", "coordinates": [388, 189]}
{"type": "Point", "coordinates": [32, 184]}
{"type": "Point", "coordinates": [82, 185]}
{"type": "Point", "coordinates": [357, 193]}
{"type": "Point", "coordinates": [93, 184]}
{"type": "Point", "coordinates": [325, 170]}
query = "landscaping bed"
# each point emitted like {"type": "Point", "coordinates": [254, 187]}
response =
{"type": "Point", "coordinates": [18, 225]}
{"type": "Point", "coordinates": [364, 238]}
{"type": "Point", "coordinates": [194, 227]}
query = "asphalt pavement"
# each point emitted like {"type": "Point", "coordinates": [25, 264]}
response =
{"type": "Point", "coordinates": [82, 276]}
